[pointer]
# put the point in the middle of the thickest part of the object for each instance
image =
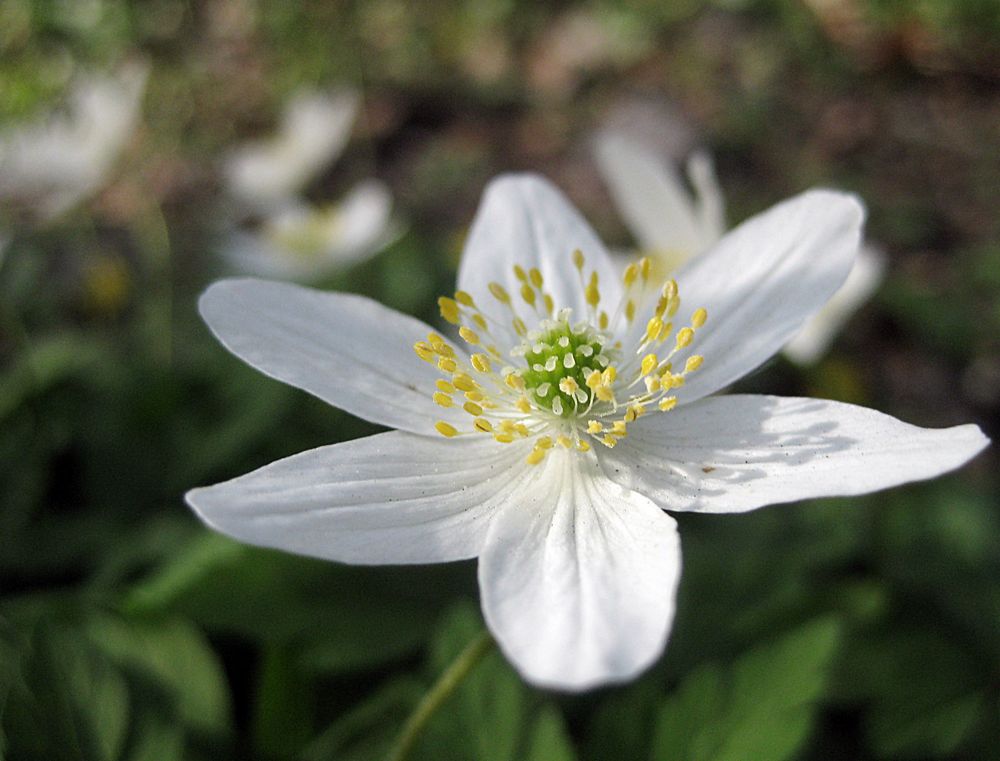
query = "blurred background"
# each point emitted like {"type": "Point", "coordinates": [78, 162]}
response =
{"type": "Point", "coordinates": [148, 148]}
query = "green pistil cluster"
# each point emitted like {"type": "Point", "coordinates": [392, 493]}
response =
{"type": "Point", "coordinates": [556, 353]}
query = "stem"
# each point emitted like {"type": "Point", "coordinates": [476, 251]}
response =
{"type": "Point", "coordinates": [446, 684]}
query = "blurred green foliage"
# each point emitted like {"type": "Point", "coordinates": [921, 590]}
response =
{"type": "Point", "coordinates": [847, 629]}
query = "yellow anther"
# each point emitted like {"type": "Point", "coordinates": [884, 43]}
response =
{"type": "Point", "coordinates": [480, 321]}
{"type": "Point", "coordinates": [424, 351]}
{"type": "Point", "coordinates": [473, 409]}
{"type": "Point", "coordinates": [470, 336]}
{"type": "Point", "coordinates": [609, 441]}
{"type": "Point", "coordinates": [684, 337]}
{"type": "Point", "coordinates": [583, 446]}
{"type": "Point", "coordinates": [499, 293]}
{"type": "Point", "coordinates": [578, 259]}
{"type": "Point", "coordinates": [522, 430]}
{"type": "Point", "coordinates": [693, 363]}
{"type": "Point", "coordinates": [631, 414]}
{"type": "Point", "coordinates": [564, 441]}
{"type": "Point", "coordinates": [669, 290]}
{"type": "Point", "coordinates": [667, 403]}
{"type": "Point", "coordinates": [652, 383]}
{"type": "Point", "coordinates": [528, 294]}
{"type": "Point", "coordinates": [464, 298]}
{"type": "Point", "coordinates": [523, 405]}
{"type": "Point", "coordinates": [592, 292]}
{"type": "Point", "coordinates": [665, 330]}
{"type": "Point", "coordinates": [594, 379]}
{"type": "Point", "coordinates": [443, 349]}
{"type": "Point", "coordinates": [653, 328]}
{"type": "Point", "coordinates": [515, 381]}
{"type": "Point", "coordinates": [447, 365]}
{"type": "Point", "coordinates": [649, 363]}
{"type": "Point", "coordinates": [618, 428]}
{"type": "Point", "coordinates": [569, 386]}
{"type": "Point", "coordinates": [630, 310]}
{"type": "Point", "coordinates": [699, 317]}
{"type": "Point", "coordinates": [609, 375]}
{"type": "Point", "coordinates": [519, 327]}
{"type": "Point", "coordinates": [442, 399]}
{"type": "Point", "coordinates": [604, 393]}
{"type": "Point", "coordinates": [672, 307]}
{"type": "Point", "coordinates": [481, 362]}
{"type": "Point", "coordinates": [445, 429]}
{"type": "Point", "coordinates": [449, 309]}
{"type": "Point", "coordinates": [434, 338]}
{"type": "Point", "coordinates": [444, 386]}
{"type": "Point", "coordinates": [483, 425]}
{"type": "Point", "coordinates": [464, 382]}
{"type": "Point", "coordinates": [536, 456]}
{"type": "Point", "coordinates": [503, 438]}
{"type": "Point", "coordinates": [603, 321]}
{"type": "Point", "coordinates": [474, 396]}
{"type": "Point", "coordinates": [520, 274]}
{"type": "Point", "coordinates": [507, 426]}
{"type": "Point", "coordinates": [543, 442]}
{"type": "Point", "coordinates": [550, 305]}
{"type": "Point", "coordinates": [630, 274]}
{"type": "Point", "coordinates": [594, 427]}
{"type": "Point", "coordinates": [536, 277]}
{"type": "Point", "coordinates": [677, 381]}
{"type": "Point", "coordinates": [644, 265]}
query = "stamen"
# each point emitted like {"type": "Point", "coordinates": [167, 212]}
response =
{"type": "Point", "coordinates": [564, 382]}
{"type": "Point", "coordinates": [446, 429]}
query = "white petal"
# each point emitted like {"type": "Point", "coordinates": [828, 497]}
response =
{"type": "Point", "coordinates": [525, 220]}
{"type": "Point", "coordinates": [711, 205]}
{"type": "Point", "coordinates": [651, 197]}
{"type": "Point", "coordinates": [314, 129]}
{"type": "Point", "coordinates": [304, 243]}
{"type": "Point", "coordinates": [348, 350]}
{"type": "Point", "coordinates": [736, 453]}
{"type": "Point", "coordinates": [578, 577]}
{"type": "Point", "coordinates": [363, 224]}
{"type": "Point", "coordinates": [55, 164]}
{"type": "Point", "coordinates": [810, 343]}
{"type": "Point", "coordinates": [762, 281]}
{"type": "Point", "coordinates": [389, 498]}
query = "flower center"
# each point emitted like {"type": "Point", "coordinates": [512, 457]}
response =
{"type": "Point", "coordinates": [559, 358]}
{"type": "Point", "coordinates": [565, 383]}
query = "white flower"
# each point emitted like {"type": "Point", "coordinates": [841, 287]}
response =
{"type": "Point", "coordinates": [574, 410]}
{"type": "Point", "coordinates": [305, 242]}
{"type": "Point", "coordinates": [314, 129]}
{"type": "Point", "coordinates": [672, 226]}
{"type": "Point", "coordinates": [52, 165]}
{"type": "Point", "coordinates": [293, 239]}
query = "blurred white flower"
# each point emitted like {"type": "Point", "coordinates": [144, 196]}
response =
{"type": "Point", "coordinates": [551, 442]}
{"type": "Point", "coordinates": [314, 129]}
{"type": "Point", "coordinates": [48, 167]}
{"type": "Point", "coordinates": [672, 225]}
{"type": "Point", "coordinates": [305, 242]}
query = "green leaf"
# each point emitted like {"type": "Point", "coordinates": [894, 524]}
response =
{"type": "Point", "coordinates": [283, 714]}
{"type": "Point", "coordinates": [761, 707]}
{"type": "Point", "coordinates": [620, 725]}
{"type": "Point", "coordinates": [549, 740]}
{"type": "Point", "coordinates": [175, 655]}
{"type": "Point", "coordinates": [342, 618]}
{"type": "Point", "coordinates": [486, 717]}
{"type": "Point", "coordinates": [368, 730]}
{"type": "Point", "coordinates": [73, 705]}
{"type": "Point", "coordinates": [925, 695]}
